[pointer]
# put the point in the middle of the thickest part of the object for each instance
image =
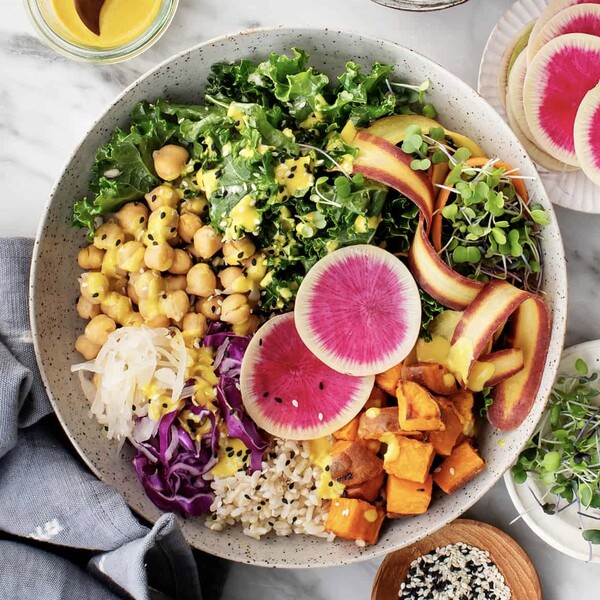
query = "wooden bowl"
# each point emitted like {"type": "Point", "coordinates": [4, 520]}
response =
{"type": "Point", "coordinates": [516, 567]}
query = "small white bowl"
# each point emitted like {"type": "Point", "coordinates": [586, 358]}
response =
{"type": "Point", "coordinates": [562, 531]}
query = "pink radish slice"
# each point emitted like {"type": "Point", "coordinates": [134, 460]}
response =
{"type": "Point", "coordinates": [582, 18]}
{"type": "Point", "coordinates": [558, 78]}
{"type": "Point", "coordinates": [289, 392]}
{"type": "Point", "coordinates": [358, 310]}
{"type": "Point", "coordinates": [517, 121]}
{"type": "Point", "coordinates": [587, 134]}
{"type": "Point", "coordinates": [552, 9]}
{"type": "Point", "coordinates": [508, 58]}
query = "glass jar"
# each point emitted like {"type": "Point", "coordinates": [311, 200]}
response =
{"type": "Point", "coordinates": [54, 33]}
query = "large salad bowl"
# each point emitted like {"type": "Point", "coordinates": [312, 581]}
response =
{"type": "Point", "coordinates": [54, 288]}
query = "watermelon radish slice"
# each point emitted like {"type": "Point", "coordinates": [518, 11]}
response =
{"type": "Point", "coordinates": [518, 123]}
{"type": "Point", "coordinates": [289, 392]}
{"type": "Point", "coordinates": [557, 79]}
{"type": "Point", "coordinates": [551, 10]}
{"type": "Point", "coordinates": [587, 134]}
{"type": "Point", "coordinates": [581, 18]}
{"type": "Point", "coordinates": [516, 47]}
{"type": "Point", "coordinates": [358, 310]}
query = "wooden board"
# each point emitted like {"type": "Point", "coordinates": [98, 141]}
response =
{"type": "Point", "coordinates": [516, 567]}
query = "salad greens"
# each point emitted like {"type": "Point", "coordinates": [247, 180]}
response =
{"type": "Point", "coordinates": [267, 149]}
{"type": "Point", "coordinates": [564, 452]}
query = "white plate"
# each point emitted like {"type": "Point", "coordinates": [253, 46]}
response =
{"type": "Point", "coordinates": [562, 530]}
{"type": "Point", "coordinates": [569, 189]}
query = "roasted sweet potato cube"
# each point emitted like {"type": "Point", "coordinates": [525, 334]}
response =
{"type": "Point", "coordinates": [407, 458]}
{"type": "Point", "coordinates": [417, 409]}
{"type": "Point", "coordinates": [349, 431]}
{"type": "Point", "coordinates": [352, 463]}
{"type": "Point", "coordinates": [461, 466]}
{"type": "Point", "coordinates": [463, 403]}
{"type": "Point", "coordinates": [436, 378]}
{"type": "Point", "coordinates": [372, 445]}
{"type": "Point", "coordinates": [378, 398]}
{"type": "Point", "coordinates": [444, 441]}
{"type": "Point", "coordinates": [354, 519]}
{"type": "Point", "coordinates": [388, 380]}
{"type": "Point", "coordinates": [405, 497]}
{"type": "Point", "coordinates": [368, 490]}
{"type": "Point", "coordinates": [374, 422]}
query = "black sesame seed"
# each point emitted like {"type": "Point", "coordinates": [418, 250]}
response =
{"type": "Point", "coordinates": [150, 236]}
{"type": "Point", "coordinates": [321, 385]}
{"type": "Point", "coordinates": [287, 463]}
{"type": "Point", "coordinates": [153, 197]}
{"type": "Point", "coordinates": [282, 188]}
{"type": "Point", "coordinates": [265, 394]}
{"type": "Point", "coordinates": [306, 167]}
{"type": "Point", "coordinates": [247, 496]}
{"type": "Point", "coordinates": [163, 214]}
{"type": "Point", "coordinates": [259, 508]}
{"type": "Point", "coordinates": [173, 229]}
{"type": "Point", "coordinates": [239, 452]}
{"type": "Point", "coordinates": [285, 501]}
{"type": "Point", "coordinates": [278, 400]}
{"type": "Point", "coordinates": [237, 123]}
{"type": "Point", "coordinates": [240, 255]}
{"type": "Point", "coordinates": [257, 488]}
{"type": "Point", "coordinates": [293, 169]}
{"type": "Point", "coordinates": [218, 173]}
{"type": "Point", "coordinates": [95, 295]}
{"type": "Point", "coordinates": [213, 309]}
{"type": "Point", "coordinates": [229, 449]}
{"type": "Point", "coordinates": [253, 262]}
{"type": "Point", "coordinates": [291, 486]}
{"type": "Point", "coordinates": [104, 236]}
{"type": "Point", "coordinates": [292, 454]}
{"type": "Point", "coordinates": [155, 243]}
{"type": "Point", "coordinates": [165, 405]}
{"type": "Point", "coordinates": [327, 468]}
{"type": "Point", "coordinates": [260, 342]}
{"type": "Point", "coordinates": [117, 242]}
{"type": "Point", "coordinates": [330, 484]}
{"type": "Point", "coordinates": [290, 176]}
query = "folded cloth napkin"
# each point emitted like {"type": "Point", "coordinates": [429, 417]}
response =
{"type": "Point", "coordinates": [47, 494]}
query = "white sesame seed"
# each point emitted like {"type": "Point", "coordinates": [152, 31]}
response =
{"type": "Point", "coordinates": [320, 415]}
{"type": "Point", "coordinates": [295, 403]}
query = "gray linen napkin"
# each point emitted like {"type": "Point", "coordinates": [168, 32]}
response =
{"type": "Point", "coordinates": [46, 493]}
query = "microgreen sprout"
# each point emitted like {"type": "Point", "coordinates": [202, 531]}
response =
{"type": "Point", "coordinates": [564, 452]}
{"type": "Point", "coordinates": [326, 155]}
{"type": "Point", "coordinates": [420, 89]}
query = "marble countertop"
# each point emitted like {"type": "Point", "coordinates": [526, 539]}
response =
{"type": "Point", "coordinates": [49, 102]}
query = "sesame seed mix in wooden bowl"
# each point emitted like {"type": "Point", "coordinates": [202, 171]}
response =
{"type": "Point", "coordinates": [466, 560]}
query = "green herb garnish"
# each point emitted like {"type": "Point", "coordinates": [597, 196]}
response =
{"type": "Point", "coordinates": [564, 453]}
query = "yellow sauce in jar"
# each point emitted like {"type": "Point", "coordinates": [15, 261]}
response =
{"type": "Point", "coordinates": [121, 21]}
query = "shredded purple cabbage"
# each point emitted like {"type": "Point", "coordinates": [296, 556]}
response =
{"type": "Point", "coordinates": [229, 351]}
{"type": "Point", "coordinates": [171, 464]}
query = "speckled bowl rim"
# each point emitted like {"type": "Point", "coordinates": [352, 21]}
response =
{"type": "Point", "coordinates": [559, 302]}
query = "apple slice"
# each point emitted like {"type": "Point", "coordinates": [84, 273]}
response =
{"type": "Point", "coordinates": [514, 397]}
{"type": "Point", "coordinates": [380, 160]}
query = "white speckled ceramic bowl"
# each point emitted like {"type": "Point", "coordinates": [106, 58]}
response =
{"type": "Point", "coordinates": [54, 287]}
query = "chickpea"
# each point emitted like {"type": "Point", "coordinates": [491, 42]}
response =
{"type": "Point", "coordinates": [196, 205]}
{"type": "Point", "coordinates": [169, 161]}
{"type": "Point", "coordinates": [110, 264]}
{"type": "Point", "coordinates": [119, 285]}
{"type": "Point", "coordinates": [256, 266]}
{"type": "Point", "coordinates": [201, 281]}
{"type": "Point", "coordinates": [159, 257]}
{"type": "Point", "coordinates": [133, 218]}
{"type": "Point", "coordinates": [182, 262]}
{"type": "Point", "coordinates": [108, 235]}
{"type": "Point", "coordinates": [86, 348]}
{"type": "Point", "coordinates": [175, 305]}
{"type": "Point", "coordinates": [157, 321]}
{"type": "Point", "coordinates": [130, 256]}
{"type": "Point", "coordinates": [162, 225]}
{"type": "Point", "coordinates": [163, 195]}
{"type": "Point", "coordinates": [174, 283]}
{"type": "Point", "coordinates": [247, 327]}
{"type": "Point", "coordinates": [90, 258]}
{"type": "Point", "coordinates": [94, 287]}
{"type": "Point", "coordinates": [134, 320]}
{"type": "Point", "coordinates": [148, 284]}
{"type": "Point", "coordinates": [189, 223]}
{"type": "Point", "coordinates": [235, 309]}
{"type": "Point", "coordinates": [236, 251]}
{"type": "Point", "coordinates": [233, 280]}
{"type": "Point", "coordinates": [117, 307]}
{"type": "Point", "coordinates": [132, 293]}
{"type": "Point", "coordinates": [207, 241]}
{"type": "Point", "coordinates": [210, 307]}
{"type": "Point", "coordinates": [87, 310]}
{"type": "Point", "coordinates": [98, 329]}
{"type": "Point", "coordinates": [194, 325]}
